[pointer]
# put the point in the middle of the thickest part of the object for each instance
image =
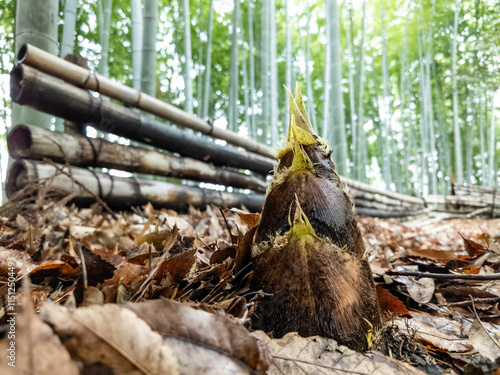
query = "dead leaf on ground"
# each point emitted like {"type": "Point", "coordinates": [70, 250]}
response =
{"type": "Point", "coordinates": [248, 218]}
{"type": "Point", "coordinates": [209, 331]}
{"type": "Point", "coordinates": [421, 290]}
{"type": "Point", "coordinates": [483, 341]}
{"type": "Point", "coordinates": [294, 354]}
{"type": "Point", "coordinates": [179, 266]}
{"type": "Point", "coordinates": [442, 332]}
{"type": "Point", "coordinates": [162, 240]}
{"type": "Point", "coordinates": [36, 349]}
{"type": "Point", "coordinates": [54, 268]}
{"type": "Point", "coordinates": [388, 301]}
{"type": "Point", "coordinates": [113, 336]}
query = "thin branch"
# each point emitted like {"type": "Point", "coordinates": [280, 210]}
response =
{"type": "Point", "coordinates": [476, 300]}
{"type": "Point", "coordinates": [96, 197]}
{"type": "Point", "coordinates": [445, 276]}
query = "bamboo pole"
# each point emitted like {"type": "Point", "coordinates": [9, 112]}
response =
{"type": "Point", "coordinates": [362, 211]}
{"type": "Point", "coordinates": [36, 23]}
{"type": "Point", "coordinates": [45, 93]}
{"type": "Point", "coordinates": [353, 184]}
{"type": "Point", "coordinates": [86, 79]}
{"type": "Point", "coordinates": [120, 192]}
{"type": "Point", "coordinates": [31, 142]}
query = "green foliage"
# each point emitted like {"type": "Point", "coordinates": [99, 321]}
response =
{"type": "Point", "coordinates": [478, 59]}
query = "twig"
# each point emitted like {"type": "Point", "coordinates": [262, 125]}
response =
{"type": "Point", "coordinates": [445, 276]}
{"type": "Point", "coordinates": [97, 197]}
{"type": "Point", "coordinates": [476, 300]}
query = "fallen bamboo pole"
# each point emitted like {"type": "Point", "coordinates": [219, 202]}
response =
{"type": "Point", "coordinates": [383, 207]}
{"type": "Point", "coordinates": [86, 79]}
{"type": "Point", "coordinates": [362, 195]}
{"type": "Point", "coordinates": [362, 211]}
{"type": "Point", "coordinates": [47, 94]}
{"type": "Point", "coordinates": [32, 142]}
{"type": "Point", "coordinates": [353, 184]}
{"type": "Point", "coordinates": [120, 192]}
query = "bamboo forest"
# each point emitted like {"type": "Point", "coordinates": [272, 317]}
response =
{"type": "Point", "coordinates": [254, 187]}
{"type": "Point", "coordinates": [404, 91]}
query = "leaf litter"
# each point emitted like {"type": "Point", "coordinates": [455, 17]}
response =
{"type": "Point", "coordinates": [155, 291]}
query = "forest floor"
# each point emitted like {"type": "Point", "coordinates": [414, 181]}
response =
{"type": "Point", "coordinates": [86, 257]}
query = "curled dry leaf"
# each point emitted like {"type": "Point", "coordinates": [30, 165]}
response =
{"type": "Point", "coordinates": [207, 334]}
{"type": "Point", "coordinates": [113, 336]}
{"type": "Point", "coordinates": [294, 354]}
{"type": "Point", "coordinates": [34, 349]}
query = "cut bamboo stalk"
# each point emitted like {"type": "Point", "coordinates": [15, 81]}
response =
{"type": "Point", "coordinates": [362, 195]}
{"type": "Point", "coordinates": [384, 207]}
{"type": "Point", "coordinates": [86, 79]}
{"type": "Point", "coordinates": [32, 142]}
{"type": "Point", "coordinates": [48, 94]}
{"type": "Point", "coordinates": [120, 192]}
{"type": "Point", "coordinates": [353, 184]}
{"type": "Point", "coordinates": [362, 211]}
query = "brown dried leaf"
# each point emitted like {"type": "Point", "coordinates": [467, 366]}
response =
{"type": "Point", "coordinates": [441, 256]}
{"type": "Point", "coordinates": [142, 259]}
{"type": "Point", "coordinates": [36, 349]}
{"type": "Point", "coordinates": [465, 291]}
{"type": "Point", "coordinates": [97, 268]}
{"type": "Point", "coordinates": [179, 266]}
{"type": "Point", "coordinates": [54, 268]}
{"type": "Point", "coordinates": [293, 354]}
{"type": "Point", "coordinates": [473, 248]}
{"type": "Point", "coordinates": [162, 240]}
{"type": "Point", "coordinates": [221, 255]}
{"type": "Point", "coordinates": [113, 336]}
{"type": "Point", "coordinates": [243, 252]}
{"type": "Point", "coordinates": [248, 218]}
{"type": "Point", "coordinates": [389, 302]}
{"type": "Point", "coordinates": [212, 332]}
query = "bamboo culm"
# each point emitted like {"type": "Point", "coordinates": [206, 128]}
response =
{"type": "Point", "coordinates": [47, 94]}
{"type": "Point", "coordinates": [30, 142]}
{"type": "Point", "coordinates": [81, 77]}
{"type": "Point", "coordinates": [119, 192]}
{"type": "Point", "coordinates": [43, 35]}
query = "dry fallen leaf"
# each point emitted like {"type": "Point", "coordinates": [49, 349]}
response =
{"type": "Point", "coordinates": [113, 336]}
{"type": "Point", "coordinates": [442, 332]}
{"type": "Point", "coordinates": [421, 290]}
{"type": "Point", "coordinates": [482, 341]}
{"type": "Point", "coordinates": [294, 354]}
{"type": "Point", "coordinates": [205, 332]}
{"type": "Point", "coordinates": [36, 349]}
{"type": "Point", "coordinates": [387, 301]}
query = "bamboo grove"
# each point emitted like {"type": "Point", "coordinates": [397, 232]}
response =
{"type": "Point", "coordinates": [403, 90]}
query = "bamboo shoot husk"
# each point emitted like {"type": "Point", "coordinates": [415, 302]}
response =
{"type": "Point", "coordinates": [45, 93]}
{"type": "Point", "coordinates": [31, 142]}
{"type": "Point", "coordinates": [86, 79]}
{"type": "Point", "coordinates": [119, 192]}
